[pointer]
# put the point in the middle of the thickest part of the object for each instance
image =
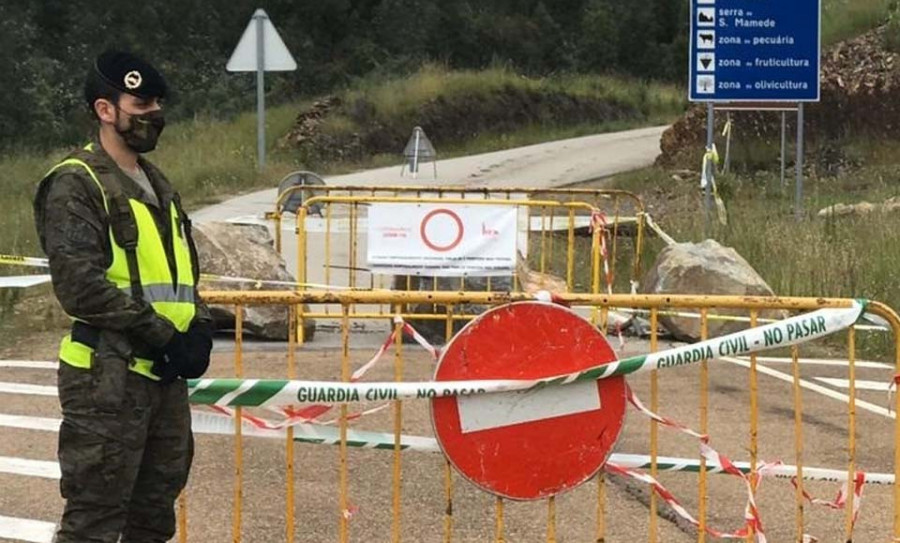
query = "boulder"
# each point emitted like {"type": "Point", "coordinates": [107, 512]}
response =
{"type": "Point", "coordinates": [705, 268]}
{"type": "Point", "coordinates": [248, 251]}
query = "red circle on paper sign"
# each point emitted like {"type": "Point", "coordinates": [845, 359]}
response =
{"type": "Point", "coordinates": [434, 246]}
{"type": "Point", "coordinates": [533, 445]}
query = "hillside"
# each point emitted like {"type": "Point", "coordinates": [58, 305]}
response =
{"type": "Point", "coordinates": [860, 98]}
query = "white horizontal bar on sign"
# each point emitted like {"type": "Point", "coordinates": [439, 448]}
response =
{"type": "Point", "coordinates": [486, 411]}
{"type": "Point", "coordinates": [21, 529]}
{"type": "Point", "coordinates": [29, 468]}
{"type": "Point", "coordinates": [29, 364]}
{"type": "Point", "coordinates": [28, 390]}
{"type": "Point", "coordinates": [860, 384]}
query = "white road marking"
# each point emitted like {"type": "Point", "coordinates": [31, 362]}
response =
{"type": "Point", "coordinates": [29, 468]}
{"type": "Point", "coordinates": [29, 390]}
{"type": "Point", "coordinates": [21, 529]}
{"type": "Point", "coordinates": [860, 384]}
{"type": "Point", "coordinates": [29, 364]}
{"type": "Point", "coordinates": [823, 362]}
{"type": "Point", "coordinates": [872, 408]}
{"type": "Point", "coordinates": [25, 422]}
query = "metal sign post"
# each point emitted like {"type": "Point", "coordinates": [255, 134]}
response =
{"type": "Point", "coordinates": [783, 148]}
{"type": "Point", "coordinates": [798, 197]}
{"type": "Point", "coordinates": [260, 89]}
{"type": "Point", "coordinates": [261, 50]}
{"type": "Point", "coordinates": [709, 166]}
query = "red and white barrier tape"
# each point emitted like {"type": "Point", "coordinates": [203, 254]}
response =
{"type": "Point", "coordinates": [359, 415]}
{"type": "Point", "coordinates": [261, 423]}
{"type": "Point", "coordinates": [753, 522]}
{"type": "Point", "coordinates": [598, 221]}
{"type": "Point", "coordinates": [840, 501]}
{"type": "Point", "coordinates": [309, 414]}
{"type": "Point", "coordinates": [751, 512]}
{"type": "Point", "coordinates": [633, 400]}
{"type": "Point", "coordinates": [432, 350]}
{"type": "Point", "coordinates": [679, 509]}
{"type": "Point", "coordinates": [408, 330]}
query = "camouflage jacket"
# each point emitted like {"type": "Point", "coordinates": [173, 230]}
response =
{"type": "Point", "coordinates": [73, 228]}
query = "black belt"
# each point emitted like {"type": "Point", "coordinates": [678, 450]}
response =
{"type": "Point", "coordinates": [90, 335]}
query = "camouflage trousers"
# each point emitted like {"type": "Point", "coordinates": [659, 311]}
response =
{"type": "Point", "coordinates": [125, 449]}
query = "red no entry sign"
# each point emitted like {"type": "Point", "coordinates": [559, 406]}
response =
{"type": "Point", "coordinates": [535, 444]}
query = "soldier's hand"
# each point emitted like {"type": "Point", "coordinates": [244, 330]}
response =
{"type": "Point", "coordinates": [200, 342]}
{"type": "Point", "coordinates": [173, 356]}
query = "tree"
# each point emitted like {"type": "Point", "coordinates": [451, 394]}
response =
{"type": "Point", "coordinates": [598, 48]}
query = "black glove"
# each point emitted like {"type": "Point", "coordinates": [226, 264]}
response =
{"type": "Point", "coordinates": [200, 343]}
{"type": "Point", "coordinates": [174, 354]}
{"type": "Point", "coordinates": [186, 354]}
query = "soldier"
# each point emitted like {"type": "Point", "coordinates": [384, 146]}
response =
{"type": "Point", "coordinates": [124, 267]}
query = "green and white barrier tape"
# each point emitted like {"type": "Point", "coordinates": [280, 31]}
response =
{"type": "Point", "coordinates": [209, 423]}
{"type": "Point", "coordinates": [255, 392]}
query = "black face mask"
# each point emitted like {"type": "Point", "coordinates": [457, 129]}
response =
{"type": "Point", "coordinates": [143, 131]}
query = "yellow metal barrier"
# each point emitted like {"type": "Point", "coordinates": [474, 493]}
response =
{"type": "Point", "coordinates": [622, 209]}
{"type": "Point", "coordinates": [606, 528]}
{"type": "Point", "coordinates": [547, 209]}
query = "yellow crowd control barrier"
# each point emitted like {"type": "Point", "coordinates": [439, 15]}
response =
{"type": "Point", "coordinates": [577, 265]}
{"type": "Point", "coordinates": [622, 210]}
{"type": "Point", "coordinates": [749, 418]}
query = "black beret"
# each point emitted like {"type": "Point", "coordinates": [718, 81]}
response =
{"type": "Point", "coordinates": [130, 74]}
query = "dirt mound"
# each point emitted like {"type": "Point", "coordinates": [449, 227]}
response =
{"type": "Point", "coordinates": [447, 119]}
{"type": "Point", "coordinates": [860, 95]}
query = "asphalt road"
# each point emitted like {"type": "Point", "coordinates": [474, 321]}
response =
{"type": "Point", "coordinates": [30, 501]}
{"type": "Point", "coordinates": [554, 164]}
{"type": "Point", "coordinates": [30, 504]}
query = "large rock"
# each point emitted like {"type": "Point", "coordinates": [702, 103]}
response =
{"type": "Point", "coordinates": [240, 250]}
{"type": "Point", "coordinates": [705, 268]}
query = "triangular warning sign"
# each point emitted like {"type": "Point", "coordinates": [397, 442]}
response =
{"type": "Point", "coordinates": [277, 58]}
{"type": "Point", "coordinates": [419, 146]}
{"type": "Point", "coordinates": [705, 61]}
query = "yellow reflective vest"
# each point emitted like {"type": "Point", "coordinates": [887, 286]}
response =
{"type": "Point", "coordinates": [172, 298]}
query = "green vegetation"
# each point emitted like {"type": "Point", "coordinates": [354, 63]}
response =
{"type": "Point", "coordinates": [843, 19]}
{"type": "Point", "coordinates": [207, 160]}
{"type": "Point", "coordinates": [853, 256]}
{"type": "Point", "coordinates": [468, 111]}
{"type": "Point", "coordinates": [210, 160]}
{"type": "Point", "coordinates": [892, 35]}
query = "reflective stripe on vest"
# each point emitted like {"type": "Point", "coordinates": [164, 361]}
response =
{"type": "Point", "coordinates": [173, 302]}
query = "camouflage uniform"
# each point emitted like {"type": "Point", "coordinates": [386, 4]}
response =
{"type": "Point", "coordinates": [125, 445]}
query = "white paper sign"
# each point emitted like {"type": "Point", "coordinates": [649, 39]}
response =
{"type": "Point", "coordinates": [442, 240]}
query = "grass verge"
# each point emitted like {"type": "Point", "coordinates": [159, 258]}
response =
{"type": "Point", "coordinates": [848, 257]}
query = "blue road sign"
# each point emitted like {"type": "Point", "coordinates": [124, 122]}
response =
{"type": "Point", "coordinates": [755, 50]}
